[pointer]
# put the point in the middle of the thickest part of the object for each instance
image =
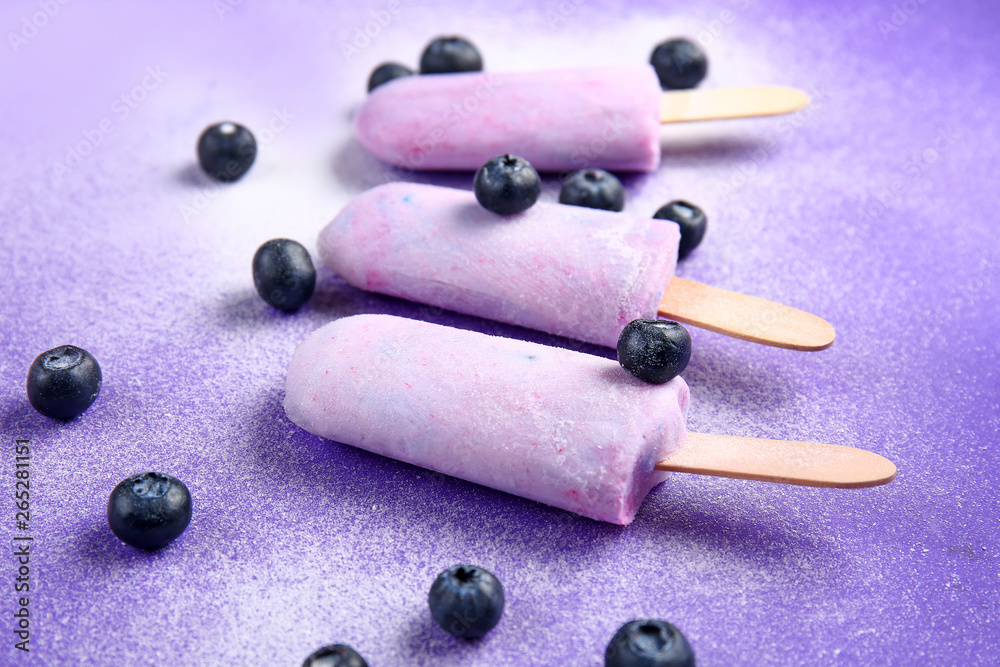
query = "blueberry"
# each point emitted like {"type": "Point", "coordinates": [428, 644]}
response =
{"type": "Point", "coordinates": [63, 382]}
{"type": "Point", "coordinates": [450, 54]}
{"type": "Point", "coordinates": [648, 643]}
{"type": "Point", "coordinates": [284, 274]}
{"type": "Point", "coordinates": [507, 184]}
{"type": "Point", "coordinates": [335, 655]}
{"type": "Point", "coordinates": [654, 351]}
{"type": "Point", "coordinates": [466, 601]}
{"type": "Point", "coordinates": [680, 63]}
{"type": "Point", "coordinates": [593, 188]}
{"type": "Point", "coordinates": [149, 510]}
{"type": "Point", "coordinates": [387, 72]}
{"type": "Point", "coordinates": [226, 151]}
{"type": "Point", "coordinates": [692, 222]}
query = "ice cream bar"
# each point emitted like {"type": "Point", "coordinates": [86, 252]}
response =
{"type": "Point", "coordinates": [564, 428]}
{"type": "Point", "coordinates": [572, 271]}
{"type": "Point", "coordinates": [559, 120]}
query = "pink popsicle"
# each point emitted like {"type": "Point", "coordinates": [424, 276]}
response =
{"type": "Point", "coordinates": [568, 270]}
{"type": "Point", "coordinates": [563, 428]}
{"type": "Point", "coordinates": [559, 120]}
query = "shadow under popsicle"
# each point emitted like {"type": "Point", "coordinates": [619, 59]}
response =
{"type": "Point", "coordinates": [335, 470]}
{"type": "Point", "coordinates": [368, 487]}
{"type": "Point", "coordinates": [359, 170]}
{"type": "Point", "coordinates": [335, 298]}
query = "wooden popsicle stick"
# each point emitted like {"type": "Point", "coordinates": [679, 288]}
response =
{"type": "Point", "coordinates": [745, 317]}
{"type": "Point", "coordinates": [781, 461]}
{"type": "Point", "coordinates": [680, 106]}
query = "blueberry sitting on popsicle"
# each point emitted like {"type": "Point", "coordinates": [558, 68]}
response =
{"type": "Point", "coordinates": [654, 351]}
{"type": "Point", "coordinates": [507, 184]}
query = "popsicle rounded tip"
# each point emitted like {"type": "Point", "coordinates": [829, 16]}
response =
{"type": "Point", "coordinates": [796, 99]}
{"type": "Point", "coordinates": [745, 317]}
{"type": "Point", "coordinates": [655, 351]}
{"type": "Point", "coordinates": [678, 106]}
{"type": "Point", "coordinates": [818, 337]}
{"type": "Point", "coordinates": [780, 461]}
{"type": "Point", "coordinates": [879, 471]}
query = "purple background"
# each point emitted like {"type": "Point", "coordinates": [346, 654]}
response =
{"type": "Point", "coordinates": [875, 208]}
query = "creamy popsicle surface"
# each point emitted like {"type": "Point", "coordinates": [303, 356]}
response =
{"type": "Point", "coordinates": [568, 270]}
{"type": "Point", "coordinates": [563, 428]}
{"type": "Point", "coordinates": [558, 120]}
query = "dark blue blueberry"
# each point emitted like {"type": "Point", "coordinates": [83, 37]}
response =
{"type": "Point", "coordinates": [680, 63]}
{"type": "Point", "coordinates": [387, 72]}
{"type": "Point", "coordinates": [593, 188]}
{"type": "Point", "coordinates": [692, 222]}
{"type": "Point", "coordinates": [648, 643]}
{"type": "Point", "coordinates": [450, 54]}
{"type": "Point", "coordinates": [507, 184]}
{"type": "Point", "coordinates": [655, 351]}
{"type": "Point", "coordinates": [226, 151]}
{"type": "Point", "coordinates": [283, 274]}
{"type": "Point", "coordinates": [63, 382]}
{"type": "Point", "coordinates": [466, 601]}
{"type": "Point", "coordinates": [149, 510]}
{"type": "Point", "coordinates": [335, 655]}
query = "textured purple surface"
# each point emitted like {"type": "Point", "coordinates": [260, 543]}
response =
{"type": "Point", "coordinates": [875, 208]}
